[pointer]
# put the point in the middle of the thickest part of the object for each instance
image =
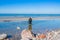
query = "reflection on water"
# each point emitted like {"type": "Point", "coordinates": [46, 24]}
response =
{"type": "Point", "coordinates": [37, 25]}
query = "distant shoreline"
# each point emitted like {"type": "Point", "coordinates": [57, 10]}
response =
{"type": "Point", "coordinates": [9, 19]}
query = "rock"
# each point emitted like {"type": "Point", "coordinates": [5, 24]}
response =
{"type": "Point", "coordinates": [26, 34]}
{"type": "Point", "coordinates": [3, 36]}
{"type": "Point", "coordinates": [25, 39]}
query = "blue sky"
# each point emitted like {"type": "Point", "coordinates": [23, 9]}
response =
{"type": "Point", "coordinates": [30, 6]}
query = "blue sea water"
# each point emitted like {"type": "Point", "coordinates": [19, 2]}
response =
{"type": "Point", "coordinates": [37, 25]}
{"type": "Point", "coordinates": [29, 15]}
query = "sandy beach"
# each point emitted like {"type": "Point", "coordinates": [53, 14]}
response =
{"type": "Point", "coordinates": [8, 19]}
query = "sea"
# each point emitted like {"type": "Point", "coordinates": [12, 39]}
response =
{"type": "Point", "coordinates": [38, 26]}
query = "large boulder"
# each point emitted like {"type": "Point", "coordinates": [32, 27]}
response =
{"type": "Point", "coordinates": [26, 34]}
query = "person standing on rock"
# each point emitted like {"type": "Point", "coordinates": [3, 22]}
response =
{"type": "Point", "coordinates": [30, 24]}
{"type": "Point", "coordinates": [30, 20]}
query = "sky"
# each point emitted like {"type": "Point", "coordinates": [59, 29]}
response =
{"type": "Point", "coordinates": [30, 6]}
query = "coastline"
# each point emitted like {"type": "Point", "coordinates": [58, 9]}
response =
{"type": "Point", "coordinates": [12, 18]}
